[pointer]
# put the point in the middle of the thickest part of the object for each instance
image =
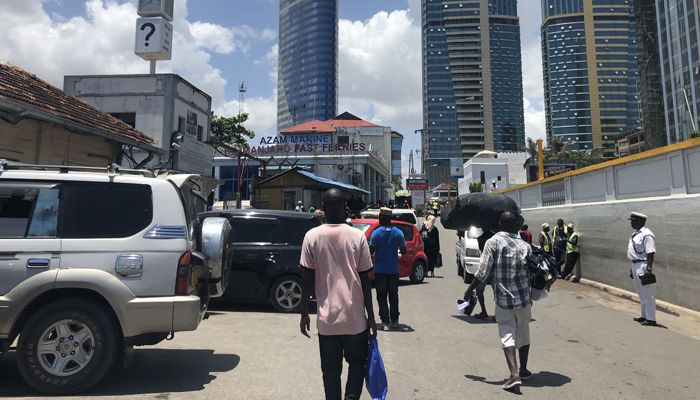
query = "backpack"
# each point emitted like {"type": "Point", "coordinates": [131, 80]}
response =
{"type": "Point", "coordinates": [540, 266]}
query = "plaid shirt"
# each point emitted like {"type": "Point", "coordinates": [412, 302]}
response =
{"type": "Point", "coordinates": [504, 258]}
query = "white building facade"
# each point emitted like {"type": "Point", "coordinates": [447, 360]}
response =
{"type": "Point", "coordinates": [495, 171]}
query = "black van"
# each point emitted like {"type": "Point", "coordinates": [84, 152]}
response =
{"type": "Point", "coordinates": [266, 251]}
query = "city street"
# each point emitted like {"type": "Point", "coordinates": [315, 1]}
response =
{"type": "Point", "coordinates": [584, 346]}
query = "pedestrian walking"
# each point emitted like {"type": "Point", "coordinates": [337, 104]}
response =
{"type": "Point", "coordinates": [431, 241]}
{"type": "Point", "coordinates": [300, 207]}
{"type": "Point", "coordinates": [335, 260]}
{"type": "Point", "coordinates": [525, 234]}
{"type": "Point", "coordinates": [545, 239]}
{"type": "Point", "coordinates": [641, 251]}
{"type": "Point", "coordinates": [573, 251]}
{"type": "Point", "coordinates": [481, 240]}
{"type": "Point", "coordinates": [561, 234]}
{"type": "Point", "coordinates": [435, 208]}
{"type": "Point", "coordinates": [505, 260]}
{"type": "Point", "coordinates": [385, 244]}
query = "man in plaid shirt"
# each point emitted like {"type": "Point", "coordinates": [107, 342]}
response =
{"type": "Point", "coordinates": [505, 259]}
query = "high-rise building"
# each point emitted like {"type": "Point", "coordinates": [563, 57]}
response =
{"type": "Point", "coordinates": [650, 89]}
{"type": "Point", "coordinates": [679, 37]}
{"type": "Point", "coordinates": [396, 146]}
{"type": "Point", "coordinates": [472, 82]}
{"type": "Point", "coordinates": [307, 75]}
{"type": "Point", "coordinates": [589, 55]}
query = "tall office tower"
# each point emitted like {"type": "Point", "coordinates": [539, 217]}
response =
{"type": "Point", "coordinates": [589, 56]}
{"type": "Point", "coordinates": [472, 82]}
{"type": "Point", "coordinates": [307, 74]}
{"type": "Point", "coordinates": [679, 37]}
{"type": "Point", "coordinates": [650, 89]}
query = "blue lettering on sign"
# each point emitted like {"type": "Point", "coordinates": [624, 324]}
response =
{"type": "Point", "coordinates": [296, 139]}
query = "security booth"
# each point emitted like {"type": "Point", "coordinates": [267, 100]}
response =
{"type": "Point", "coordinates": [284, 190]}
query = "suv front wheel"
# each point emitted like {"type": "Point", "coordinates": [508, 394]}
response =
{"type": "Point", "coordinates": [67, 347]}
{"type": "Point", "coordinates": [286, 294]}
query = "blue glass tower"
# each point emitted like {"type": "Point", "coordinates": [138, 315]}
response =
{"type": "Point", "coordinates": [307, 75]}
{"type": "Point", "coordinates": [591, 71]}
{"type": "Point", "coordinates": [472, 82]}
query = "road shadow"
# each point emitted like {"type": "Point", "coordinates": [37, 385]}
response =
{"type": "Point", "coordinates": [403, 328]}
{"type": "Point", "coordinates": [406, 282]}
{"type": "Point", "coordinates": [153, 371]}
{"type": "Point", "coordinates": [481, 379]}
{"type": "Point", "coordinates": [547, 379]}
{"type": "Point", "coordinates": [475, 321]}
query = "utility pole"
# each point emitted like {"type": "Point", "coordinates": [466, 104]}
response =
{"type": "Point", "coordinates": [239, 166]}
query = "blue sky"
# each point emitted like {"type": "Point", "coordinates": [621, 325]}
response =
{"type": "Point", "coordinates": [219, 43]}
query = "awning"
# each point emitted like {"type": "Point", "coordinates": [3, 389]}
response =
{"type": "Point", "coordinates": [331, 182]}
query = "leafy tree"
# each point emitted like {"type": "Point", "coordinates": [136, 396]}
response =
{"type": "Point", "coordinates": [230, 130]}
{"type": "Point", "coordinates": [475, 187]}
{"type": "Point", "coordinates": [560, 152]}
{"type": "Point", "coordinates": [694, 134]}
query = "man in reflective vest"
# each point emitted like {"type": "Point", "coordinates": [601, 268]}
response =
{"type": "Point", "coordinates": [573, 251]}
{"type": "Point", "coordinates": [546, 239]}
{"type": "Point", "coordinates": [640, 252]}
{"type": "Point", "coordinates": [561, 234]}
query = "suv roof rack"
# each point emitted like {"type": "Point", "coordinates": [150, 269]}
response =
{"type": "Point", "coordinates": [112, 169]}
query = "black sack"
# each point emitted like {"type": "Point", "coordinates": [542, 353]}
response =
{"type": "Point", "coordinates": [482, 210]}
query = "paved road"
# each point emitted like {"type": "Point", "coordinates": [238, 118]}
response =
{"type": "Point", "coordinates": [585, 346]}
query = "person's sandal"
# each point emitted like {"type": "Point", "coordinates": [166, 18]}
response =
{"type": "Point", "coordinates": [481, 315]}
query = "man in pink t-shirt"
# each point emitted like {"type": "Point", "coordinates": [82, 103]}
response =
{"type": "Point", "coordinates": [336, 261]}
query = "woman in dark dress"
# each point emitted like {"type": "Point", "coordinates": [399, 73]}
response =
{"type": "Point", "coordinates": [431, 240]}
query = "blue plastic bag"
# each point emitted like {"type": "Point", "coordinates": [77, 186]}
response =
{"type": "Point", "coordinates": [376, 374]}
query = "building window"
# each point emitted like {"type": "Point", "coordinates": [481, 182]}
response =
{"type": "Point", "coordinates": [343, 139]}
{"type": "Point", "coordinates": [482, 177]}
{"type": "Point", "coordinates": [127, 117]}
{"type": "Point", "coordinates": [200, 133]}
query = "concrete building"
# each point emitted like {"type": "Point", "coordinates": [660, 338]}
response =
{"type": "Point", "coordinates": [396, 146]}
{"type": "Point", "coordinates": [678, 23]}
{"type": "Point", "coordinates": [472, 82]}
{"type": "Point", "coordinates": [504, 169]}
{"type": "Point", "coordinates": [591, 72]}
{"type": "Point", "coordinates": [345, 149]}
{"type": "Point", "coordinates": [161, 106]}
{"type": "Point", "coordinates": [307, 76]}
{"type": "Point", "coordinates": [40, 124]}
{"type": "Point", "coordinates": [650, 92]}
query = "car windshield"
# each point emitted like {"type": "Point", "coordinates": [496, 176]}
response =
{"type": "Point", "coordinates": [362, 227]}
{"type": "Point", "coordinates": [474, 232]}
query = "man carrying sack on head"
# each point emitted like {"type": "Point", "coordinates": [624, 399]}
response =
{"type": "Point", "coordinates": [640, 252]}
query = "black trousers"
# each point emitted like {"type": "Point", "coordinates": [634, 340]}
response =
{"type": "Point", "coordinates": [560, 256]}
{"type": "Point", "coordinates": [333, 349]}
{"type": "Point", "coordinates": [571, 259]}
{"type": "Point", "coordinates": [387, 285]}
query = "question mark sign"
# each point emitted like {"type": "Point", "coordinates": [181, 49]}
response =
{"type": "Point", "coordinates": [149, 34]}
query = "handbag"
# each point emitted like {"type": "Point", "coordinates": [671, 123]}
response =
{"type": "Point", "coordinates": [438, 261]}
{"type": "Point", "coordinates": [647, 279]}
{"type": "Point", "coordinates": [375, 380]}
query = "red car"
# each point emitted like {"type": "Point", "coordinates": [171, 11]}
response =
{"type": "Point", "coordinates": [414, 263]}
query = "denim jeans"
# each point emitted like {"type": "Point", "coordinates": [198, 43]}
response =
{"type": "Point", "coordinates": [333, 348]}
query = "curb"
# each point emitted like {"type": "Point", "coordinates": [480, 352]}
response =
{"type": "Point", "coordinates": [625, 294]}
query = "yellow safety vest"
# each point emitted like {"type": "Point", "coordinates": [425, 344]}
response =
{"type": "Point", "coordinates": [570, 248]}
{"type": "Point", "coordinates": [547, 242]}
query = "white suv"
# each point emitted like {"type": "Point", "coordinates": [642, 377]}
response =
{"type": "Point", "coordinates": [94, 262]}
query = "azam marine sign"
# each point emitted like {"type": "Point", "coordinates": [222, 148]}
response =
{"type": "Point", "coordinates": [296, 139]}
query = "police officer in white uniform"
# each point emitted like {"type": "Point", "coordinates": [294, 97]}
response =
{"type": "Point", "coordinates": [640, 252]}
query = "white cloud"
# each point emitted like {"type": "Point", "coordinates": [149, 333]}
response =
{"type": "Point", "coordinates": [262, 113]}
{"type": "Point", "coordinates": [380, 69]}
{"type": "Point", "coordinates": [102, 42]}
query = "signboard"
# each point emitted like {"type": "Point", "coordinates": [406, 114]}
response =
{"type": "Point", "coordinates": [456, 167]}
{"type": "Point", "coordinates": [156, 8]}
{"type": "Point", "coordinates": [313, 139]}
{"type": "Point", "coordinates": [154, 38]}
{"type": "Point", "coordinates": [417, 184]}
{"type": "Point", "coordinates": [549, 170]}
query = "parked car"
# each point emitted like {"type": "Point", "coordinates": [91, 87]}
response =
{"type": "Point", "coordinates": [96, 261]}
{"type": "Point", "coordinates": [414, 263]}
{"type": "Point", "coordinates": [397, 214]}
{"type": "Point", "coordinates": [267, 245]}
{"type": "Point", "coordinates": [467, 251]}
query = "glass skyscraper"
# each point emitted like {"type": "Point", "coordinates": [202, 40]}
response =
{"type": "Point", "coordinates": [307, 76]}
{"type": "Point", "coordinates": [679, 36]}
{"type": "Point", "coordinates": [472, 82]}
{"type": "Point", "coordinates": [591, 71]}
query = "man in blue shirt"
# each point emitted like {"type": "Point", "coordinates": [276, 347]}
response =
{"type": "Point", "coordinates": [385, 244]}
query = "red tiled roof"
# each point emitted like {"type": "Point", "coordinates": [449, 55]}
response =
{"type": "Point", "coordinates": [312, 126]}
{"type": "Point", "coordinates": [24, 89]}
